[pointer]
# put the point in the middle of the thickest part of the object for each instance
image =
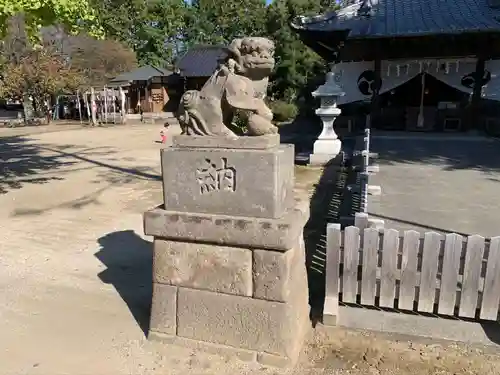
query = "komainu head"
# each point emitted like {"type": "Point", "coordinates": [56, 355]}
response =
{"type": "Point", "coordinates": [254, 56]}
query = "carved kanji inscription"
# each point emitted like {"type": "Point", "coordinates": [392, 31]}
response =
{"type": "Point", "coordinates": [212, 177]}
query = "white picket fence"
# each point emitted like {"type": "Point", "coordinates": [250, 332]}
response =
{"type": "Point", "coordinates": [430, 273]}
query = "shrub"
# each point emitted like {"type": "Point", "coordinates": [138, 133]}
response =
{"type": "Point", "coordinates": [283, 111]}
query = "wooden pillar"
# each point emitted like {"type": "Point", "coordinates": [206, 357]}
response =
{"type": "Point", "coordinates": [472, 118]}
{"type": "Point", "coordinates": [146, 97]}
{"type": "Point", "coordinates": [375, 104]}
{"type": "Point", "coordinates": [129, 101]}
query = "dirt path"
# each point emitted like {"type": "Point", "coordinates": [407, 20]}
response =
{"type": "Point", "coordinates": [357, 352]}
{"type": "Point", "coordinates": [75, 269]}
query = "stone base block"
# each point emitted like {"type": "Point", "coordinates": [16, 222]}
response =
{"type": "Point", "coordinates": [251, 303]}
{"type": "Point", "coordinates": [273, 328]}
{"type": "Point", "coordinates": [270, 332]}
{"type": "Point", "coordinates": [280, 276]}
{"type": "Point", "coordinates": [222, 350]}
{"type": "Point", "coordinates": [239, 182]}
{"type": "Point", "coordinates": [324, 159]}
{"type": "Point", "coordinates": [330, 310]}
{"type": "Point", "coordinates": [216, 268]}
{"type": "Point", "coordinates": [164, 309]}
{"type": "Point", "coordinates": [280, 234]}
{"type": "Point", "coordinates": [327, 146]}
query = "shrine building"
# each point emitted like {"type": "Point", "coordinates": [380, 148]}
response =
{"type": "Point", "coordinates": [423, 65]}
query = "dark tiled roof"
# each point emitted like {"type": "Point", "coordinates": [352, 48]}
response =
{"type": "Point", "coordinates": [143, 73]}
{"type": "Point", "coordinates": [389, 18]}
{"type": "Point", "coordinates": [201, 61]}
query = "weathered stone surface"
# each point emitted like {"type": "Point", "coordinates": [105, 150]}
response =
{"type": "Point", "coordinates": [222, 350]}
{"type": "Point", "coordinates": [281, 234]}
{"type": "Point", "coordinates": [262, 142]}
{"type": "Point", "coordinates": [271, 274]}
{"type": "Point", "coordinates": [325, 159]}
{"type": "Point", "coordinates": [202, 266]}
{"type": "Point", "coordinates": [237, 182]}
{"type": "Point", "coordinates": [279, 275]}
{"type": "Point", "coordinates": [242, 322]}
{"type": "Point", "coordinates": [239, 83]}
{"type": "Point", "coordinates": [163, 309]}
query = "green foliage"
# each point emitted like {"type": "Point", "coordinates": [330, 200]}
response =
{"type": "Point", "coordinates": [153, 29]}
{"type": "Point", "coordinates": [296, 63]}
{"type": "Point", "coordinates": [239, 123]}
{"type": "Point", "coordinates": [39, 73]}
{"type": "Point", "coordinates": [219, 22]}
{"type": "Point", "coordinates": [157, 30]}
{"type": "Point", "coordinates": [283, 111]}
{"type": "Point", "coordinates": [74, 15]}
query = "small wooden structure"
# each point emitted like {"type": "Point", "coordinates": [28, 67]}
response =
{"type": "Point", "coordinates": [149, 88]}
{"type": "Point", "coordinates": [404, 30]}
{"type": "Point", "coordinates": [447, 274]}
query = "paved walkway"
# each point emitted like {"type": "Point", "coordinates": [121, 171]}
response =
{"type": "Point", "coordinates": [446, 185]}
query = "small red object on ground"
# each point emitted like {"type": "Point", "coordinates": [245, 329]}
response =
{"type": "Point", "coordinates": [163, 137]}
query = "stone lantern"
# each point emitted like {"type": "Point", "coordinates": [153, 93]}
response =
{"type": "Point", "coordinates": [327, 146]}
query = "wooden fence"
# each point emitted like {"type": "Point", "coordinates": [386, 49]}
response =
{"type": "Point", "coordinates": [430, 273]}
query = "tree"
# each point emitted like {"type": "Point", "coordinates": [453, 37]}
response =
{"type": "Point", "coordinates": [74, 15]}
{"type": "Point", "coordinates": [219, 22]}
{"type": "Point", "coordinates": [153, 29]}
{"type": "Point", "coordinates": [40, 73]}
{"type": "Point", "coordinates": [297, 66]}
{"type": "Point", "coordinates": [97, 61]}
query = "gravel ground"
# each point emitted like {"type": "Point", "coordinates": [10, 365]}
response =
{"type": "Point", "coordinates": [75, 271]}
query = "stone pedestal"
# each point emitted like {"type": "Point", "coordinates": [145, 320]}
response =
{"type": "Point", "coordinates": [229, 260]}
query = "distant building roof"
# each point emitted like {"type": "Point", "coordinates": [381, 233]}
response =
{"type": "Point", "coordinates": [144, 73]}
{"type": "Point", "coordinates": [392, 18]}
{"type": "Point", "coordinates": [201, 61]}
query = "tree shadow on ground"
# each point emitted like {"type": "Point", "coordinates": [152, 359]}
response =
{"type": "Point", "coordinates": [451, 153]}
{"type": "Point", "coordinates": [23, 163]}
{"type": "Point", "coordinates": [74, 204]}
{"type": "Point", "coordinates": [129, 262]}
{"type": "Point", "coordinates": [26, 163]}
{"type": "Point", "coordinates": [125, 174]}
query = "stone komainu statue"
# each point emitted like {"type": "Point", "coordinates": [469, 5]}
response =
{"type": "Point", "coordinates": [239, 84]}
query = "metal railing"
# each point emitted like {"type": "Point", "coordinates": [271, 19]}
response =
{"type": "Point", "coordinates": [364, 175]}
